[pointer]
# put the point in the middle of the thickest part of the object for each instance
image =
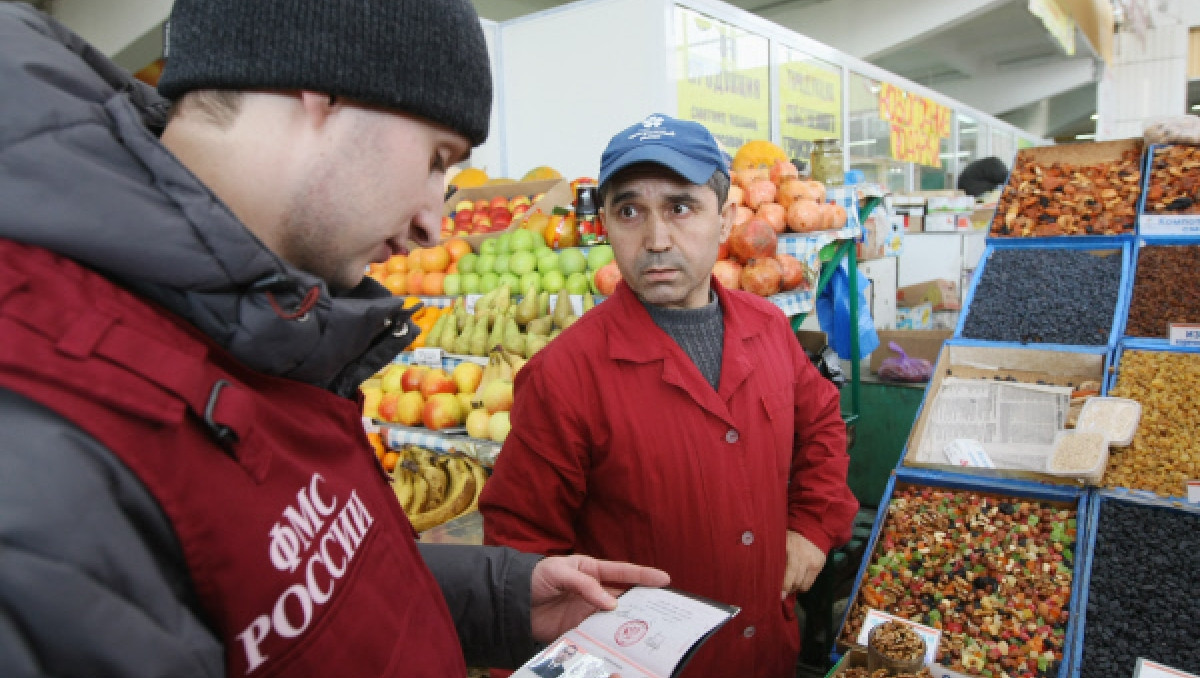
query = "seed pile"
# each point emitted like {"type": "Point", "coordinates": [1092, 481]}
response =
{"type": "Point", "coordinates": [1141, 596]}
{"type": "Point", "coordinates": [1163, 455]}
{"type": "Point", "coordinates": [1045, 296]}
{"type": "Point", "coordinates": [897, 641]}
{"type": "Point", "coordinates": [1078, 452]}
{"type": "Point", "coordinates": [994, 573]}
{"type": "Point", "coordinates": [1174, 186]}
{"type": "Point", "coordinates": [1166, 289]}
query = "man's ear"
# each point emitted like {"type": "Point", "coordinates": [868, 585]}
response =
{"type": "Point", "coordinates": [317, 106]}
{"type": "Point", "coordinates": [728, 214]}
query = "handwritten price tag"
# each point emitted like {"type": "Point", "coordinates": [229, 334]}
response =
{"type": "Point", "coordinates": [469, 303]}
{"type": "Point", "coordinates": [1148, 669]}
{"type": "Point", "coordinates": [1193, 491]}
{"type": "Point", "coordinates": [930, 635]}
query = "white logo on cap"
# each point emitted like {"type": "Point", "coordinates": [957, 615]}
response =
{"type": "Point", "coordinates": [652, 121]}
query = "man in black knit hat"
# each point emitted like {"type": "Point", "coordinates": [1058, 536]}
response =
{"type": "Point", "coordinates": [185, 485]}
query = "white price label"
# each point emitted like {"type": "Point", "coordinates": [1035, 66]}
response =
{"type": "Point", "coordinates": [1193, 491]}
{"type": "Point", "coordinates": [429, 357]}
{"type": "Point", "coordinates": [930, 635]}
{"type": "Point", "coordinates": [469, 303]}
{"type": "Point", "coordinates": [1169, 224]}
{"type": "Point", "coordinates": [369, 425]}
{"type": "Point", "coordinates": [1148, 669]}
{"type": "Point", "coordinates": [576, 303]}
{"type": "Point", "coordinates": [1184, 334]}
{"type": "Point", "coordinates": [967, 452]}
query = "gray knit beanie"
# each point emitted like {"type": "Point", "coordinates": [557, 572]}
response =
{"type": "Point", "coordinates": [424, 57]}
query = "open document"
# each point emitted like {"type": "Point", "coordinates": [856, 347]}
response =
{"type": "Point", "coordinates": [652, 634]}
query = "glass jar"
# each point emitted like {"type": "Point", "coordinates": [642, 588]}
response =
{"type": "Point", "coordinates": [827, 161]}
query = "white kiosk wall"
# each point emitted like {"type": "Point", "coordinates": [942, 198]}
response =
{"type": "Point", "coordinates": [489, 155]}
{"type": "Point", "coordinates": [573, 76]}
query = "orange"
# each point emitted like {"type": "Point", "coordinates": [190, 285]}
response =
{"type": "Point", "coordinates": [389, 461]}
{"type": "Point", "coordinates": [377, 271]}
{"type": "Point", "coordinates": [457, 247]}
{"type": "Point", "coordinates": [453, 267]}
{"type": "Point", "coordinates": [470, 177]}
{"type": "Point", "coordinates": [431, 283]}
{"type": "Point", "coordinates": [414, 259]}
{"type": "Point", "coordinates": [397, 263]}
{"type": "Point", "coordinates": [435, 258]}
{"type": "Point", "coordinates": [396, 283]}
{"type": "Point", "coordinates": [376, 441]}
{"type": "Point", "coordinates": [414, 280]}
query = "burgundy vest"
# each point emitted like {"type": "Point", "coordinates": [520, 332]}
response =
{"type": "Point", "coordinates": [302, 559]}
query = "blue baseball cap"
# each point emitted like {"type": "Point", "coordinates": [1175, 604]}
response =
{"type": "Point", "coordinates": [685, 147]}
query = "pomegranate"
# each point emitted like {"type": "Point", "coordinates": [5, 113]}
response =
{"type": "Point", "coordinates": [814, 190]}
{"type": "Point", "coordinates": [754, 238]}
{"type": "Point", "coordinates": [804, 216]}
{"type": "Point", "coordinates": [729, 273]}
{"type": "Point", "coordinates": [736, 196]}
{"type": "Point", "coordinates": [792, 272]}
{"type": "Point", "coordinates": [748, 176]}
{"type": "Point", "coordinates": [759, 192]}
{"type": "Point", "coordinates": [790, 191]}
{"type": "Point", "coordinates": [742, 215]}
{"type": "Point", "coordinates": [783, 170]}
{"type": "Point", "coordinates": [606, 278]}
{"type": "Point", "coordinates": [774, 214]}
{"type": "Point", "coordinates": [839, 215]}
{"type": "Point", "coordinates": [762, 276]}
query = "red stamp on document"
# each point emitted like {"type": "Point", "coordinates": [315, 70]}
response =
{"type": "Point", "coordinates": [631, 632]}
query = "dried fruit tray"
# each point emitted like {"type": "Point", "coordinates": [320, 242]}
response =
{"type": "Point", "coordinates": [1163, 281]}
{"type": "Point", "coordinates": [1170, 200]}
{"type": "Point", "coordinates": [1142, 583]}
{"type": "Point", "coordinates": [1062, 301]}
{"type": "Point", "coordinates": [1071, 191]}
{"type": "Point", "coordinates": [1081, 369]}
{"type": "Point", "coordinates": [1163, 455]}
{"type": "Point", "coordinates": [991, 563]}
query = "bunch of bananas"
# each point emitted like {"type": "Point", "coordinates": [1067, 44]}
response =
{"type": "Point", "coordinates": [433, 488]}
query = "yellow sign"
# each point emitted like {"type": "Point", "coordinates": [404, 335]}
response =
{"type": "Point", "coordinates": [727, 94]}
{"type": "Point", "coordinates": [810, 105]}
{"type": "Point", "coordinates": [918, 125]}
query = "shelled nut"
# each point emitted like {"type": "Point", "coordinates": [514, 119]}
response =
{"type": "Point", "coordinates": [1174, 186]}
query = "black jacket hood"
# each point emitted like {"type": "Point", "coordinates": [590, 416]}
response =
{"type": "Point", "coordinates": [82, 173]}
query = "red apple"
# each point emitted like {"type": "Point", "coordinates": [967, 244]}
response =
{"type": "Point", "coordinates": [483, 205]}
{"type": "Point", "coordinates": [499, 212]}
{"type": "Point", "coordinates": [411, 381]}
{"type": "Point", "coordinates": [408, 408]}
{"type": "Point", "coordinates": [437, 381]}
{"type": "Point", "coordinates": [387, 406]}
{"type": "Point", "coordinates": [519, 210]}
{"type": "Point", "coordinates": [481, 222]}
{"type": "Point", "coordinates": [462, 218]}
{"type": "Point", "coordinates": [442, 410]}
{"type": "Point", "coordinates": [447, 223]}
{"type": "Point", "coordinates": [501, 220]}
{"type": "Point", "coordinates": [519, 201]}
{"type": "Point", "coordinates": [499, 201]}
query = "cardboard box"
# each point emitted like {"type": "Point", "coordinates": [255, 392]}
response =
{"type": "Point", "coordinates": [925, 344]}
{"type": "Point", "coordinates": [557, 194]}
{"type": "Point", "coordinates": [881, 237]}
{"type": "Point", "coordinates": [941, 294]}
{"type": "Point", "coordinates": [918, 317]}
{"type": "Point", "coordinates": [1025, 365]}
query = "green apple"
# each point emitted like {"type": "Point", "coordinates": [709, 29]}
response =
{"type": "Point", "coordinates": [470, 283]}
{"type": "Point", "coordinates": [452, 284]}
{"type": "Point", "coordinates": [488, 282]}
{"type": "Point", "coordinates": [571, 260]}
{"type": "Point", "coordinates": [548, 262]}
{"type": "Point", "coordinates": [513, 282]}
{"type": "Point", "coordinates": [501, 266]}
{"type": "Point", "coordinates": [543, 249]}
{"type": "Point", "coordinates": [577, 283]}
{"type": "Point", "coordinates": [597, 256]}
{"type": "Point", "coordinates": [539, 240]}
{"type": "Point", "coordinates": [553, 281]}
{"type": "Point", "coordinates": [486, 263]}
{"type": "Point", "coordinates": [504, 243]}
{"type": "Point", "coordinates": [520, 263]}
{"type": "Point", "coordinates": [521, 240]}
{"type": "Point", "coordinates": [488, 246]}
{"type": "Point", "coordinates": [468, 262]}
{"type": "Point", "coordinates": [530, 280]}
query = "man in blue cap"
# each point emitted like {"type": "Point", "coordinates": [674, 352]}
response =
{"type": "Point", "coordinates": [679, 424]}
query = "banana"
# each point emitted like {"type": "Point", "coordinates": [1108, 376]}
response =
{"type": "Point", "coordinates": [480, 474]}
{"type": "Point", "coordinates": [458, 498]}
{"type": "Point", "coordinates": [402, 484]}
{"type": "Point", "coordinates": [436, 477]}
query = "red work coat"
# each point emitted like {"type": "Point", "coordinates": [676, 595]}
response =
{"type": "Point", "coordinates": [621, 449]}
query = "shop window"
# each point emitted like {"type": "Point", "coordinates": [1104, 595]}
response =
{"type": "Point", "coordinates": [722, 79]}
{"type": "Point", "coordinates": [810, 102]}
